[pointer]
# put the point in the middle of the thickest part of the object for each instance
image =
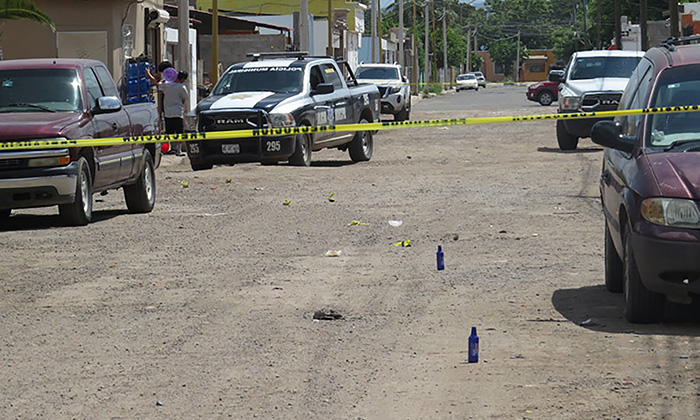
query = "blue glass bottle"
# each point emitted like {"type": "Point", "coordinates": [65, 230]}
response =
{"type": "Point", "coordinates": [440, 258]}
{"type": "Point", "coordinates": [473, 352]}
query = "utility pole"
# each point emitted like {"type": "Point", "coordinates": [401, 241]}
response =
{"type": "Point", "coordinates": [427, 46]}
{"type": "Point", "coordinates": [304, 26]}
{"type": "Point", "coordinates": [643, 24]}
{"type": "Point", "coordinates": [414, 40]}
{"type": "Point", "coordinates": [599, 19]}
{"type": "Point", "coordinates": [517, 61]}
{"type": "Point", "coordinates": [618, 24]}
{"type": "Point", "coordinates": [469, 50]}
{"type": "Point", "coordinates": [675, 27]}
{"type": "Point", "coordinates": [329, 49]}
{"type": "Point", "coordinates": [374, 31]}
{"type": "Point", "coordinates": [214, 77]}
{"type": "Point", "coordinates": [183, 44]}
{"type": "Point", "coordinates": [444, 45]}
{"type": "Point", "coordinates": [401, 57]}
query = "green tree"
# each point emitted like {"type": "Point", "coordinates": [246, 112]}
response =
{"type": "Point", "coordinates": [24, 9]}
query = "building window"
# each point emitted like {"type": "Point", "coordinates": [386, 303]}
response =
{"type": "Point", "coordinates": [535, 67]}
{"type": "Point", "coordinates": [498, 68]}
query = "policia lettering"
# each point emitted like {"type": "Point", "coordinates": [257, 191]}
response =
{"type": "Point", "coordinates": [270, 132]}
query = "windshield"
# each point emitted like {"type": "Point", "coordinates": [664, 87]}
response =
{"type": "Point", "coordinates": [677, 86]}
{"type": "Point", "coordinates": [380, 73]}
{"type": "Point", "coordinates": [261, 79]}
{"type": "Point", "coordinates": [466, 77]}
{"type": "Point", "coordinates": [40, 90]}
{"type": "Point", "coordinates": [595, 67]}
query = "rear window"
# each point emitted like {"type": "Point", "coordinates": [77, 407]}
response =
{"type": "Point", "coordinates": [379, 73]}
{"type": "Point", "coordinates": [596, 67]}
{"type": "Point", "coordinates": [677, 86]}
{"type": "Point", "coordinates": [40, 90]}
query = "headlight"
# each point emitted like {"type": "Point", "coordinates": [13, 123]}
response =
{"type": "Point", "coordinates": [191, 122]}
{"type": "Point", "coordinates": [282, 120]}
{"type": "Point", "coordinates": [674, 212]}
{"type": "Point", "coordinates": [533, 87]}
{"type": "Point", "coordinates": [571, 103]}
{"type": "Point", "coordinates": [394, 89]}
{"type": "Point", "coordinates": [48, 161]}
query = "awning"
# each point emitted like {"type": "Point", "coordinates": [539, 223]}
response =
{"type": "Point", "coordinates": [202, 21]}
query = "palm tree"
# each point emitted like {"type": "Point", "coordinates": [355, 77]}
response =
{"type": "Point", "coordinates": [23, 9]}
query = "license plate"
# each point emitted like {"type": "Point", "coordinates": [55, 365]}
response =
{"type": "Point", "coordinates": [230, 149]}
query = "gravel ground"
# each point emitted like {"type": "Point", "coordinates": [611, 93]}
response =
{"type": "Point", "coordinates": [204, 308]}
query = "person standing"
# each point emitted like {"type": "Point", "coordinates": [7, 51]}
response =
{"type": "Point", "coordinates": [174, 100]}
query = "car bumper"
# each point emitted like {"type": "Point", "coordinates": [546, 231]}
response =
{"type": "Point", "coordinates": [581, 127]}
{"type": "Point", "coordinates": [252, 149]}
{"type": "Point", "coordinates": [39, 187]}
{"type": "Point", "coordinates": [465, 87]}
{"type": "Point", "coordinates": [532, 95]}
{"type": "Point", "coordinates": [668, 267]}
{"type": "Point", "coordinates": [392, 104]}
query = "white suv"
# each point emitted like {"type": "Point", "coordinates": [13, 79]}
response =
{"type": "Point", "coordinates": [593, 81]}
{"type": "Point", "coordinates": [394, 90]}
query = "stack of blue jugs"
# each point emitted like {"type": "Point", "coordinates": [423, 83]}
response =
{"type": "Point", "coordinates": [138, 86]}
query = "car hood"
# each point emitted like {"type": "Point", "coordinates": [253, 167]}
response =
{"type": "Point", "coordinates": [676, 174]}
{"type": "Point", "coordinates": [606, 84]}
{"type": "Point", "coordinates": [35, 125]}
{"type": "Point", "coordinates": [245, 100]}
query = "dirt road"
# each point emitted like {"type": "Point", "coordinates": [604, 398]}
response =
{"type": "Point", "coordinates": [204, 308]}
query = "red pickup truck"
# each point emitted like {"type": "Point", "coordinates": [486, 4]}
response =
{"type": "Point", "coordinates": [72, 99]}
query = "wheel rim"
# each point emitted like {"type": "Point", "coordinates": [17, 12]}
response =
{"type": "Point", "coordinates": [546, 99]}
{"type": "Point", "coordinates": [84, 193]}
{"type": "Point", "coordinates": [148, 179]}
{"type": "Point", "coordinates": [306, 148]}
{"type": "Point", "coordinates": [365, 143]}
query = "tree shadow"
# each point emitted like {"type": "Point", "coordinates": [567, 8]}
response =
{"type": "Point", "coordinates": [596, 309]}
{"type": "Point", "coordinates": [579, 150]}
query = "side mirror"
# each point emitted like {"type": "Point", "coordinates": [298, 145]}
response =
{"type": "Point", "coordinates": [107, 104]}
{"type": "Point", "coordinates": [609, 134]}
{"type": "Point", "coordinates": [323, 89]}
{"type": "Point", "coordinates": [556, 76]}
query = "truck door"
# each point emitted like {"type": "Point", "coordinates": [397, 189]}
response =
{"type": "Point", "coordinates": [322, 106]}
{"type": "Point", "coordinates": [340, 102]}
{"type": "Point", "coordinates": [108, 159]}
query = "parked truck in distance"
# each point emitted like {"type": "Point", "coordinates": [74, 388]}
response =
{"type": "Point", "coordinates": [284, 91]}
{"type": "Point", "coordinates": [68, 99]}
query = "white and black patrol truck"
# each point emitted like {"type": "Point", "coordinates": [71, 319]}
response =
{"type": "Point", "coordinates": [280, 91]}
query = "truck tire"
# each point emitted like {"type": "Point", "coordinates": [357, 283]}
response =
{"type": "Point", "coordinates": [79, 212]}
{"type": "Point", "coordinates": [613, 265]}
{"type": "Point", "coordinates": [302, 151]}
{"type": "Point", "coordinates": [362, 145]}
{"type": "Point", "coordinates": [197, 166]}
{"type": "Point", "coordinates": [642, 306]}
{"type": "Point", "coordinates": [566, 141]}
{"type": "Point", "coordinates": [140, 197]}
{"type": "Point", "coordinates": [401, 115]}
{"type": "Point", "coordinates": [545, 98]}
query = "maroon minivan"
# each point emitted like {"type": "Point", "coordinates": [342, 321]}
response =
{"type": "Point", "coordinates": [650, 184]}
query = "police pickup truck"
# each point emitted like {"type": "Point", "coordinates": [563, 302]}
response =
{"type": "Point", "coordinates": [284, 91]}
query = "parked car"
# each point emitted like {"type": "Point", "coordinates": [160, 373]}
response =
{"type": "Point", "coordinates": [650, 185]}
{"type": "Point", "coordinates": [544, 92]}
{"type": "Point", "coordinates": [467, 81]}
{"type": "Point", "coordinates": [67, 99]}
{"type": "Point", "coordinates": [280, 90]}
{"type": "Point", "coordinates": [393, 87]}
{"type": "Point", "coordinates": [593, 81]}
{"type": "Point", "coordinates": [480, 78]}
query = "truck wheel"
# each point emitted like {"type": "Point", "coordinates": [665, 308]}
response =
{"type": "Point", "coordinates": [613, 264]}
{"type": "Point", "coordinates": [545, 98]}
{"type": "Point", "coordinates": [642, 306]}
{"type": "Point", "coordinates": [79, 212]}
{"type": "Point", "coordinates": [401, 115]}
{"type": "Point", "coordinates": [197, 166]}
{"type": "Point", "coordinates": [302, 151]}
{"type": "Point", "coordinates": [566, 141]}
{"type": "Point", "coordinates": [362, 145]}
{"type": "Point", "coordinates": [140, 197]}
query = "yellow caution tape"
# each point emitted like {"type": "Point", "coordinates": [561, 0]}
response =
{"type": "Point", "coordinates": [285, 131]}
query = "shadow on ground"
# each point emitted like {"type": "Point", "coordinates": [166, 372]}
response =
{"type": "Point", "coordinates": [596, 309]}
